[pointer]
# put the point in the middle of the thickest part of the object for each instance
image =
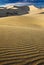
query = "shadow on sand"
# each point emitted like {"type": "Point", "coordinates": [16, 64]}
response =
{"type": "Point", "coordinates": [41, 13]}
{"type": "Point", "coordinates": [4, 12]}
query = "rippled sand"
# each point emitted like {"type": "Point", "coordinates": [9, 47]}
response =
{"type": "Point", "coordinates": [21, 46]}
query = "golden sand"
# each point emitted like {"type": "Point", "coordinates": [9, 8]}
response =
{"type": "Point", "coordinates": [22, 40]}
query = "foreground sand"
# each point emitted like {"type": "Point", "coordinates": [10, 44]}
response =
{"type": "Point", "coordinates": [22, 40]}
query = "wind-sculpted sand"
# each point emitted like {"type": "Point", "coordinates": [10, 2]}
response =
{"type": "Point", "coordinates": [22, 40]}
{"type": "Point", "coordinates": [21, 46]}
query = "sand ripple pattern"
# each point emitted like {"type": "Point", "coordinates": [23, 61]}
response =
{"type": "Point", "coordinates": [23, 54]}
{"type": "Point", "coordinates": [22, 47]}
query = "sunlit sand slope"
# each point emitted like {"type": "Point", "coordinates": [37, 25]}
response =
{"type": "Point", "coordinates": [24, 21]}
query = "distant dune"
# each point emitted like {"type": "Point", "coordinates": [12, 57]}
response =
{"type": "Point", "coordinates": [22, 38]}
{"type": "Point", "coordinates": [34, 10]}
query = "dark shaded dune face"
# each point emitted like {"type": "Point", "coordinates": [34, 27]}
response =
{"type": "Point", "coordinates": [41, 13]}
{"type": "Point", "coordinates": [4, 12]}
{"type": "Point", "coordinates": [21, 46]}
{"type": "Point", "coordinates": [41, 63]}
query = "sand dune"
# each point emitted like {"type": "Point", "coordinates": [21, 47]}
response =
{"type": "Point", "coordinates": [34, 10]}
{"type": "Point", "coordinates": [20, 46]}
{"type": "Point", "coordinates": [22, 39]}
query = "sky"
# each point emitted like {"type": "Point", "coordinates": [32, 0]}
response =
{"type": "Point", "coordinates": [36, 2]}
{"type": "Point", "coordinates": [13, 1]}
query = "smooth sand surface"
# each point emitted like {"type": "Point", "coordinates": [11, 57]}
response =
{"type": "Point", "coordinates": [22, 39]}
